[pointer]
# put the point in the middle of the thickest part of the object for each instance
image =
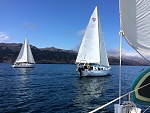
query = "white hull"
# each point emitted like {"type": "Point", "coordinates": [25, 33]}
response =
{"type": "Point", "coordinates": [95, 72]}
{"type": "Point", "coordinates": [23, 66]}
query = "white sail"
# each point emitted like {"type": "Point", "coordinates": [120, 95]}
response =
{"type": "Point", "coordinates": [103, 55]}
{"type": "Point", "coordinates": [136, 14]}
{"type": "Point", "coordinates": [25, 54]}
{"type": "Point", "coordinates": [92, 49]}
{"type": "Point", "coordinates": [30, 56]}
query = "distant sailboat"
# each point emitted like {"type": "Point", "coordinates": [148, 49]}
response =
{"type": "Point", "coordinates": [92, 51]}
{"type": "Point", "coordinates": [25, 58]}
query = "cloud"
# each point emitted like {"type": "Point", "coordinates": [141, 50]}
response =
{"type": "Point", "coordinates": [130, 53]}
{"type": "Point", "coordinates": [113, 52]}
{"type": "Point", "coordinates": [81, 33]}
{"type": "Point", "coordinates": [125, 53]}
{"type": "Point", "coordinates": [29, 26]}
{"type": "Point", "coordinates": [79, 36]}
{"type": "Point", "coordinates": [3, 37]}
{"type": "Point", "coordinates": [68, 32]}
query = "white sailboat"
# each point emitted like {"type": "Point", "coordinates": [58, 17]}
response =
{"type": "Point", "coordinates": [25, 58]}
{"type": "Point", "coordinates": [135, 28]}
{"type": "Point", "coordinates": [92, 51]}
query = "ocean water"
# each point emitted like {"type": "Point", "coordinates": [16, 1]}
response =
{"type": "Point", "coordinates": [57, 88]}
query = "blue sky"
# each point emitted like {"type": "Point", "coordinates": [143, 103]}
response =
{"type": "Point", "coordinates": [58, 23]}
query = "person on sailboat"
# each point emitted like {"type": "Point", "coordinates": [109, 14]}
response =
{"type": "Point", "coordinates": [89, 67]}
{"type": "Point", "coordinates": [79, 69]}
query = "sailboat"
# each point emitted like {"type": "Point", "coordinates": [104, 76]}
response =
{"type": "Point", "coordinates": [135, 28]}
{"type": "Point", "coordinates": [25, 58]}
{"type": "Point", "coordinates": [92, 57]}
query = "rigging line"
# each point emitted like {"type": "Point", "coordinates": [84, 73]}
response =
{"type": "Point", "coordinates": [146, 109]}
{"type": "Point", "coordinates": [142, 56]}
{"type": "Point", "coordinates": [136, 49]}
{"type": "Point", "coordinates": [97, 109]}
{"type": "Point", "coordinates": [108, 103]}
{"type": "Point", "coordinates": [124, 10]}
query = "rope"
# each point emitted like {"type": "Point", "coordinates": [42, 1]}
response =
{"type": "Point", "coordinates": [97, 109]}
{"type": "Point", "coordinates": [108, 103]}
{"type": "Point", "coordinates": [146, 109]}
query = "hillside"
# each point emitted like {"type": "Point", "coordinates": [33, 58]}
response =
{"type": "Point", "coordinates": [10, 51]}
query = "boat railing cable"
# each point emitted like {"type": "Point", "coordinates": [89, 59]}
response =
{"type": "Point", "coordinates": [146, 109]}
{"type": "Point", "coordinates": [99, 108]}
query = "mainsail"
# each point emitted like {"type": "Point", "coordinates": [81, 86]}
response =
{"type": "Point", "coordinates": [136, 14]}
{"type": "Point", "coordinates": [25, 54]}
{"type": "Point", "coordinates": [92, 49]}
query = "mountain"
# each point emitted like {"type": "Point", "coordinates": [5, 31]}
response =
{"type": "Point", "coordinates": [126, 60]}
{"type": "Point", "coordinates": [10, 51]}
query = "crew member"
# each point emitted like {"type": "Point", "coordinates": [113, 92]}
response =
{"type": "Point", "coordinates": [88, 67]}
{"type": "Point", "coordinates": [79, 70]}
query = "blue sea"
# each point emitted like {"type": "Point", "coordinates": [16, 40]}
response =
{"type": "Point", "coordinates": [57, 88]}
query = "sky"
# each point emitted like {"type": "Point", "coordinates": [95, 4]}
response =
{"type": "Point", "coordinates": [59, 23]}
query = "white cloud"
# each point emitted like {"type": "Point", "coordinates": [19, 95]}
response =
{"type": "Point", "coordinates": [3, 37]}
{"type": "Point", "coordinates": [113, 52]}
{"type": "Point", "coordinates": [81, 32]}
{"type": "Point", "coordinates": [130, 53]}
{"type": "Point", "coordinates": [79, 36]}
{"type": "Point", "coordinates": [29, 26]}
{"type": "Point", "coordinates": [125, 53]}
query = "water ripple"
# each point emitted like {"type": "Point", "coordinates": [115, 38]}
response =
{"type": "Point", "coordinates": [57, 88]}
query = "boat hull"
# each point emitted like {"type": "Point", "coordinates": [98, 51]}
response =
{"type": "Point", "coordinates": [95, 72]}
{"type": "Point", "coordinates": [24, 66]}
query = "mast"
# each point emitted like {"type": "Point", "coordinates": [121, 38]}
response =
{"type": "Point", "coordinates": [99, 35]}
{"type": "Point", "coordinates": [120, 71]}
